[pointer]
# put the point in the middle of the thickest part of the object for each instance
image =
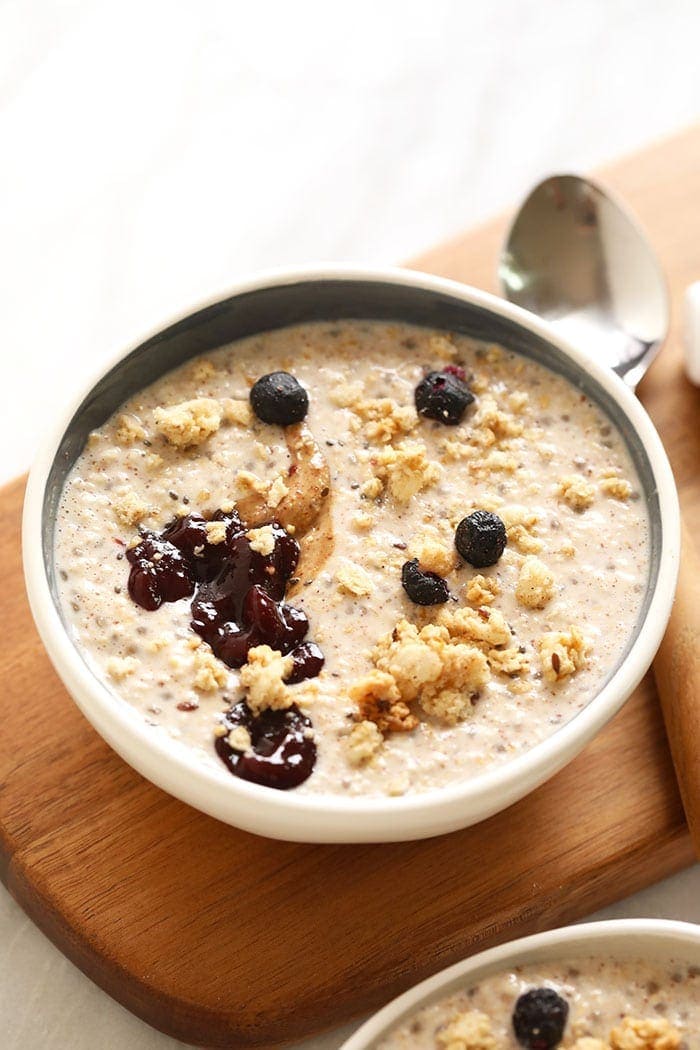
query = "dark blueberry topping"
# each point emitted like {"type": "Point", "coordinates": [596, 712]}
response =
{"type": "Point", "coordinates": [423, 588]}
{"type": "Point", "coordinates": [443, 396]}
{"type": "Point", "coordinates": [308, 661]}
{"type": "Point", "coordinates": [481, 538]}
{"type": "Point", "coordinates": [539, 1019]}
{"type": "Point", "coordinates": [282, 753]}
{"type": "Point", "coordinates": [456, 370]}
{"type": "Point", "coordinates": [238, 603]}
{"type": "Point", "coordinates": [189, 535]}
{"type": "Point", "coordinates": [159, 572]}
{"type": "Point", "coordinates": [238, 593]}
{"type": "Point", "coordinates": [279, 398]}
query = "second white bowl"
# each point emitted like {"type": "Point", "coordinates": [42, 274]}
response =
{"type": "Point", "coordinates": [653, 940]}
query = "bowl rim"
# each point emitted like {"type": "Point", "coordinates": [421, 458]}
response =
{"type": "Point", "coordinates": [135, 740]}
{"type": "Point", "coordinates": [581, 936]}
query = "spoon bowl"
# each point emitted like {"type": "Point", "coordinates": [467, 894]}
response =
{"type": "Point", "coordinates": [578, 259]}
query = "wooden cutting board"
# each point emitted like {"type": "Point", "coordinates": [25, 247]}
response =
{"type": "Point", "coordinates": [224, 939]}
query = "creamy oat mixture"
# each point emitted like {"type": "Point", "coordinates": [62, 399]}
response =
{"type": "Point", "coordinates": [520, 648]}
{"type": "Point", "coordinates": [613, 1005]}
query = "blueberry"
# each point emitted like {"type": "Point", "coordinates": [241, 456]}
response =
{"type": "Point", "coordinates": [159, 572]}
{"type": "Point", "coordinates": [282, 753]}
{"type": "Point", "coordinates": [423, 588]}
{"type": "Point", "coordinates": [443, 396]}
{"type": "Point", "coordinates": [539, 1019]}
{"type": "Point", "coordinates": [308, 661]}
{"type": "Point", "coordinates": [279, 398]}
{"type": "Point", "coordinates": [481, 538]}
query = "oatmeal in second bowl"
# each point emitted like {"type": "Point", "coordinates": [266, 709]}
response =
{"type": "Point", "coordinates": [352, 556]}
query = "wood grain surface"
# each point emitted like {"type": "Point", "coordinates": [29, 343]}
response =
{"type": "Point", "coordinates": [224, 939]}
{"type": "Point", "coordinates": [677, 675]}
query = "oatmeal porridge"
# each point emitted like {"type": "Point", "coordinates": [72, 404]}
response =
{"type": "Point", "coordinates": [355, 558]}
{"type": "Point", "coordinates": [589, 1004]}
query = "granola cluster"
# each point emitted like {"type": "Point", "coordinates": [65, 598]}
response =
{"type": "Point", "coordinates": [470, 1030]}
{"type": "Point", "coordinates": [263, 680]}
{"type": "Point", "coordinates": [442, 667]}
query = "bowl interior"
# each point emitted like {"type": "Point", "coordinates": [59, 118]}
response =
{"type": "Point", "coordinates": [294, 302]}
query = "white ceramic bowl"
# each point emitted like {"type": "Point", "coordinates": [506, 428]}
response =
{"type": "Point", "coordinates": [653, 940]}
{"type": "Point", "coordinates": [271, 301]}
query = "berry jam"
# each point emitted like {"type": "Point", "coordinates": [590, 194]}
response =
{"type": "Point", "coordinates": [237, 603]}
{"type": "Point", "coordinates": [282, 753]}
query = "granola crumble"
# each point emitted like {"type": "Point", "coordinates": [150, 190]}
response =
{"type": "Point", "coordinates": [189, 423]}
{"type": "Point", "coordinates": [467, 1031]}
{"type": "Point", "coordinates": [562, 653]}
{"type": "Point", "coordinates": [651, 1033]}
{"type": "Point", "coordinates": [576, 491]}
{"type": "Point", "coordinates": [263, 680]}
{"type": "Point", "coordinates": [362, 742]}
{"type": "Point", "coordinates": [535, 585]}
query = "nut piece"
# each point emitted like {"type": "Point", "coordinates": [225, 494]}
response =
{"type": "Point", "coordinates": [363, 521]}
{"type": "Point", "coordinates": [486, 628]}
{"type": "Point", "coordinates": [239, 739]}
{"type": "Point", "coordinates": [210, 673]}
{"type": "Point", "coordinates": [502, 425]}
{"type": "Point", "coordinates": [481, 590]}
{"type": "Point", "coordinates": [236, 411]}
{"type": "Point", "coordinates": [129, 508]}
{"type": "Point", "coordinates": [352, 579]}
{"type": "Point", "coordinates": [562, 653]}
{"type": "Point", "coordinates": [508, 661]}
{"type": "Point", "coordinates": [385, 419]}
{"type": "Point", "coordinates": [432, 555]}
{"type": "Point", "coordinates": [575, 490]}
{"type": "Point", "coordinates": [615, 487]}
{"type": "Point", "coordinates": [535, 586]}
{"type": "Point", "coordinates": [362, 742]}
{"type": "Point", "coordinates": [201, 370]}
{"type": "Point", "coordinates": [119, 667]}
{"type": "Point", "coordinates": [372, 489]}
{"type": "Point", "coordinates": [216, 532]}
{"type": "Point", "coordinates": [520, 529]}
{"type": "Point", "coordinates": [278, 490]}
{"type": "Point", "coordinates": [190, 422]}
{"type": "Point", "coordinates": [249, 484]}
{"type": "Point", "coordinates": [651, 1033]}
{"type": "Point", "coordinates": [406, 470]}
{"type": "Point", "coordinates": [129, 430]}
{"type": "Point", "coordinates": [379, 701]}
{"type": "Point", "coordinates": [262, 679]}
{"type": "Point", "coordinates": [346, 395]}
{"type": "Point", "coordinates": [262, 540]}
{"type": "Point", "coordinates": [467, 1031]}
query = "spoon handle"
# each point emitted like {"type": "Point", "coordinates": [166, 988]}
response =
{"type": "Point", "coordinates": [677, 673]}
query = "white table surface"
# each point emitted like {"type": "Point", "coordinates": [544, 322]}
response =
{"type": "Point", "coordinates": [151, 152]}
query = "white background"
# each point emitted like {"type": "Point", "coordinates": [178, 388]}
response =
{"type": "Point", "coordinates": [151, 152]}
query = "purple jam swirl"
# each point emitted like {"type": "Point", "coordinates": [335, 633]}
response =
{"type": "Point", "coordinates": [237, 603]}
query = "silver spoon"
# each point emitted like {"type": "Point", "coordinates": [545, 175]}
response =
{"type": "Point", "coordinates": [578, 259]}
{"type": "Point", "coordinates": [575, 257]}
